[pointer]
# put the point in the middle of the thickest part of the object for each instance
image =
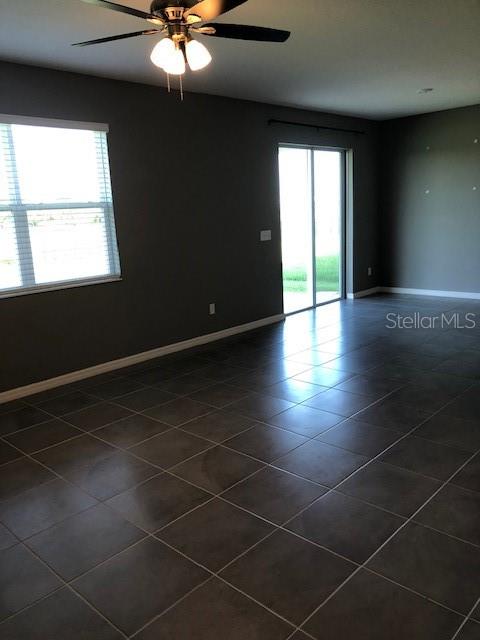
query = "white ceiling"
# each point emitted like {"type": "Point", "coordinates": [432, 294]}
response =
{"type": "Point", "coordinates": [359, 57]}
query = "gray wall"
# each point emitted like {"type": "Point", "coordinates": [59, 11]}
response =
{"type": "Point", "coordinates": [193, 184]}
{"type": "Point", "coordinates": [431, 240]}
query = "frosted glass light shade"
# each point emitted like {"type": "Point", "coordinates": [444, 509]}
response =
{"type": "Point", "coordinates": [175, 65]}
{"type": "Point", "coordinates": [198, 55]}
{"type": "Point", "coordinates": [162, 52]}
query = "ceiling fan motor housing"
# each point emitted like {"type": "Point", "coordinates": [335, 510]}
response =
{"type": "Point", "coordinates": [171, 9]}
{"type": "Point", "coordinates": [174, 13]}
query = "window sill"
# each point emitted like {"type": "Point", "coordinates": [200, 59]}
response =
{"type": "Point", "coordinates": [58, 286]}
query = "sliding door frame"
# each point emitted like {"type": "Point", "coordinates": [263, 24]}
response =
{"type": "Point", "coordinates": [343, 220]}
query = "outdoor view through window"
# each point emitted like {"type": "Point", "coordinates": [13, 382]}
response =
{"type": "Point", "coordinates": [312, 210]}
{"type": "Point", "coordinates": [56, 213]}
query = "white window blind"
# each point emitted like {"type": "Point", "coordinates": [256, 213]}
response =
{"type": "Point", "coordinates": [57, 225]}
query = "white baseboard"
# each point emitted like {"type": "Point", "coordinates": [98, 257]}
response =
{"type": "Point", "coordinates": [468, 295]}
{"type": "Point", "coordinates": [363, 294]}
{"type": "Point", "coordinates": [106, 367]}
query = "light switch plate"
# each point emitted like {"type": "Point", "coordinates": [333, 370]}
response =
{"type": "Point", "coordinates": [265, 236]}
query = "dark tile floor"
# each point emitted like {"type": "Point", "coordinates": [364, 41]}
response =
{"type": "Point", "coordinates": [314, 479]}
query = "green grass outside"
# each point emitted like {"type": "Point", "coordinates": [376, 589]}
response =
{"type": "Point", "coordinates": [328, 269]}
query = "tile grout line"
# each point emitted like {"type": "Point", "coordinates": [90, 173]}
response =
{"type": "Point", "coordinates": [467, 619]}
{"type": "Point", "coordinates": [408, 521]}
{"type": "Point", "coordinates": [64, 585]}
{"type": "Point", "coordinates": [382, 453]}
{"type": "Point", "coordinates": [172, 606]}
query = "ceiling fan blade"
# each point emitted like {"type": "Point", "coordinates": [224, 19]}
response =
{"type": "Point", "coordinates": [122, 9]}
{"type": "Point", "coordinates": [211, 9]}
{"type": "Point", "coordinates": [245, 32]}
{"type": "Point", "coordinates": [150, 32]}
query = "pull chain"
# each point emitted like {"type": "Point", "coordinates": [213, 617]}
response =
{"type": "Point", "coordinates": [181, 88]}
{"type": "Point", "coordinates": [170, 86]}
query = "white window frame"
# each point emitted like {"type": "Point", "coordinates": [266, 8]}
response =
{"type": "Point", "coordinates": [20, 209]}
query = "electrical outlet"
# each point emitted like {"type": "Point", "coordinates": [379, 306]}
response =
{"type": "Point", "coordinates": [213, 309]}
{"type": "Point", "coordinates": [265, 236]}
{"type": "Point", "coordinates": [370, 271]}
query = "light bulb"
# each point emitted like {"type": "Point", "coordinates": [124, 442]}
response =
{"type": "Point", "coordinates": [175, 64]}
{"type": "Point", "coordinates": [198, 55]}
{"type": "Point", "coordinates": [162, 52]}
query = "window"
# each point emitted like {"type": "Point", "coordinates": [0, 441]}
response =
{"type": "Point", "coordinates": [57, 227]}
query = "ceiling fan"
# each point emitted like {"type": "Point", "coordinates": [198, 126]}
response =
{"type": "Point", "coordinates": [178, 20]}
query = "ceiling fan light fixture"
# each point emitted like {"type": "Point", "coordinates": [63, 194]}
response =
{"type": "Point", "coordinates": [198, 55]}
{"type": "Point", "coordinates": [169, 57]}
{"type": "Point", "coordinates": [178, 20]}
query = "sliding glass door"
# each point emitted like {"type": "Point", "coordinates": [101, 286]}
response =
{"type": "Point", "coordinates": [312, 187]}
